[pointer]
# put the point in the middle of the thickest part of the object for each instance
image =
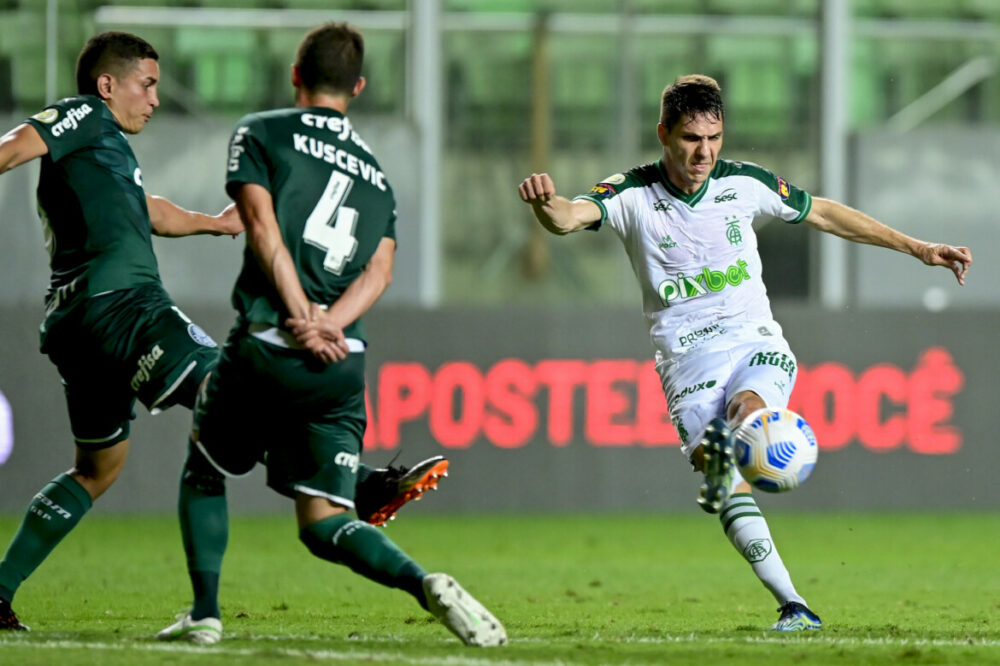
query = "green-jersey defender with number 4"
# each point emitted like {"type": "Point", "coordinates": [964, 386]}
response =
{"type": "Point", "coordinates": [289, 390]}
{"type": "Point", "coordinates": [332, 201]}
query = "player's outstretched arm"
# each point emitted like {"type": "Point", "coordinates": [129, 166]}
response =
{"type": "Point", "coordinates": [21, 144]}
{"type": "Point", "coordinates": [556, 214]}
{"type": "Point", "coordinates": [172, 221]}
{"type": "Point", "coordinates": [836, 218]}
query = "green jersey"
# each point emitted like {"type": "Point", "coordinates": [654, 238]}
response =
{"type": "Point", "coordinates": [331, 199]}
{"type": "Point", "coordinates": [91, 201]}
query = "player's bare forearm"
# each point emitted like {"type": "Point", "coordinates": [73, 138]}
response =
{"type": "Point", "coordinates": [264, 238]}
{"type": "Point", "coordinates": [363, 293]}
{"type": "Point", "coordinates": [556, 214]}
{"type": "Point", "coordinates": [21, 144]}
{"type": "Point", "coordinates": [171, 221]}
{"type": "Point", "coordinates": [853, 225]}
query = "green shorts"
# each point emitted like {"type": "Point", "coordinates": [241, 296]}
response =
{"type": "Point", "coordinates": [114, 348]}
{"type": "Point", "coordinates": [304, 419]}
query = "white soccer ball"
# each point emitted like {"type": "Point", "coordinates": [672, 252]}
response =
{"type": "Point", "coordinates": [775, 449]}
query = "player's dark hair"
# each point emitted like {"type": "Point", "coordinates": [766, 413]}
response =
{"type": "Point", "coordinates": [691, 95]}
{"type": "Point", "coordinates": [329, 58]}
{"type": "Point", "coordinates": [115, 53]}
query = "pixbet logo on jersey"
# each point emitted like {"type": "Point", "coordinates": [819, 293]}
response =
{"type": "Point", "coordinates": [699, 284]}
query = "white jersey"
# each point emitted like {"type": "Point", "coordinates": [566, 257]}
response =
{"type": "Point", "coordinates": [695, 255]}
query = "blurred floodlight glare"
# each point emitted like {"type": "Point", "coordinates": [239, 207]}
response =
{"type": "Point", "coordinates": [6, 429]}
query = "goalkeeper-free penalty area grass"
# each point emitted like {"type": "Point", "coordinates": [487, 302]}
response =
{"type": "Point", "coordinates": [901, 588]}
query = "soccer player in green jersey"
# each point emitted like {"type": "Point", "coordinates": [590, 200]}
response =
{"type": "Point", "coordinates": [110, 328]}
{"type": "Point", "coordinates": [686, 223]}
{"type": "Point", "coordinates": [289, 388]}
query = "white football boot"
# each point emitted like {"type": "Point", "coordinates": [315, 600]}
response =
{"type": "Point", "coordinates": [461, 613]}
{"type": "Point", "coordinates": [206, 631]}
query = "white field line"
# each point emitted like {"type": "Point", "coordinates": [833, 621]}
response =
{"type": "Point", "coordinates": [807, 638]}
{"type": "Point", "coordinates": [353, 656]}
{"type": "Point", "coordinates": [400, 655]}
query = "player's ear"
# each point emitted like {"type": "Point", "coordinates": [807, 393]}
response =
{"type": "Point", "coordinates": [296, 77]}
{"type": "Point", "coordinates": [359, 86]}
{"type": "Point", "coordinates": [105, 85]}
{"type": "Point", "coordinates": [662, 133]}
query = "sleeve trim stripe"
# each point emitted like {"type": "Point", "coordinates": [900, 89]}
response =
{"type": "Point", "coordinates": [604, 211]}
{"type": "Point", "coordinates": [806, 209]}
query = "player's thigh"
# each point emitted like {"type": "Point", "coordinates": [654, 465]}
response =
{"type": "Point", "coordinates": [169, 354]}
{"type": "Point", "coordinates": [695, 388]}
{"type": "Point", "coordinates": [234, 419]}
{"type": "Point", "coordinates": [322, 460]}
{"type": "Point", "coordinates": [98, 399]}
{"type": "Point", "coordinates": [768, 368]}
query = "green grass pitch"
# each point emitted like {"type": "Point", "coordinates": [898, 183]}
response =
{"type": "Point", "coordinates": [580, 589]}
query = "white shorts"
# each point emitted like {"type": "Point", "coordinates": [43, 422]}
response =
{"type": "Point", "coordinates": [699, 384]}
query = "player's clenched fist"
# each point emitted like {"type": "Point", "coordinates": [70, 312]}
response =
{"type": "Point", "coordinates": [537, 186]}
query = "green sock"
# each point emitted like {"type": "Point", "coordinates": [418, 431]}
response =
{"type": "Point", "coordinates": [366, 551]}
{"type": "Point", "coordinates": [51, 515]}
{"type": "Point", "coordinates": [204, 518]}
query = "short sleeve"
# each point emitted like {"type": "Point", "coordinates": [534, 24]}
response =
{"type": "Point", "coordinates": [781, 199]}
{"type": "Point", "coordinates": [390, 227]}
{"type": "Point", "coordinates": [605, 195]}
{"type": "Point", "coordinates": [247, 158]}
{"type": "Point", "coordinates": [69, 125]}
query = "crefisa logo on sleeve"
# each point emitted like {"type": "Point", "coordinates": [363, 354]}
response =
{"type": "Point", "coordinates": [72, 119]}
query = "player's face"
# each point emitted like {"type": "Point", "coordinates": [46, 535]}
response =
{"type": "Point", "coordinates": [133, 96]}
{"type": "Point", "coordinates": [690, 150]}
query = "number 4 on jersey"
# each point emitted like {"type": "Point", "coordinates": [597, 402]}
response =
{"type": "Point", "coordinates": [331, 225]}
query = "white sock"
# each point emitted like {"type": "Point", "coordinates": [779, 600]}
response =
{"type": "Point", "coordinates": [747, 530]}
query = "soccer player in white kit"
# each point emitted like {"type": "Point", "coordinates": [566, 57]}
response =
{"type": "Point", "coordinates": [685, 221]}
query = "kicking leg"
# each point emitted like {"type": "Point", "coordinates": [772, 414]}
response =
{"type": "Point", "coordinates": [380, 493]}
{"type": "Point", "coordinates": [747, 530]}
{"type": "Point", "coordinates": [332, 535]}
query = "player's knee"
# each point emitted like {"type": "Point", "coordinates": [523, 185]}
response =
{"type": "Point", "coordinates": [313, 541]}
{"type": "Point", "coordinates": [742, 405]}
{"type": "Point", "coordinates": [200, 475]}
{"type": "Point", "coordinates": [207, 484]}
{"type": "Point", "coordinates": [321, 537]}
{"type": "Point", "coordinates": [319, 544]}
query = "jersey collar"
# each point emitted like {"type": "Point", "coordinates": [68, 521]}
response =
{"type": "Point", "coordinates": [689, 199]}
